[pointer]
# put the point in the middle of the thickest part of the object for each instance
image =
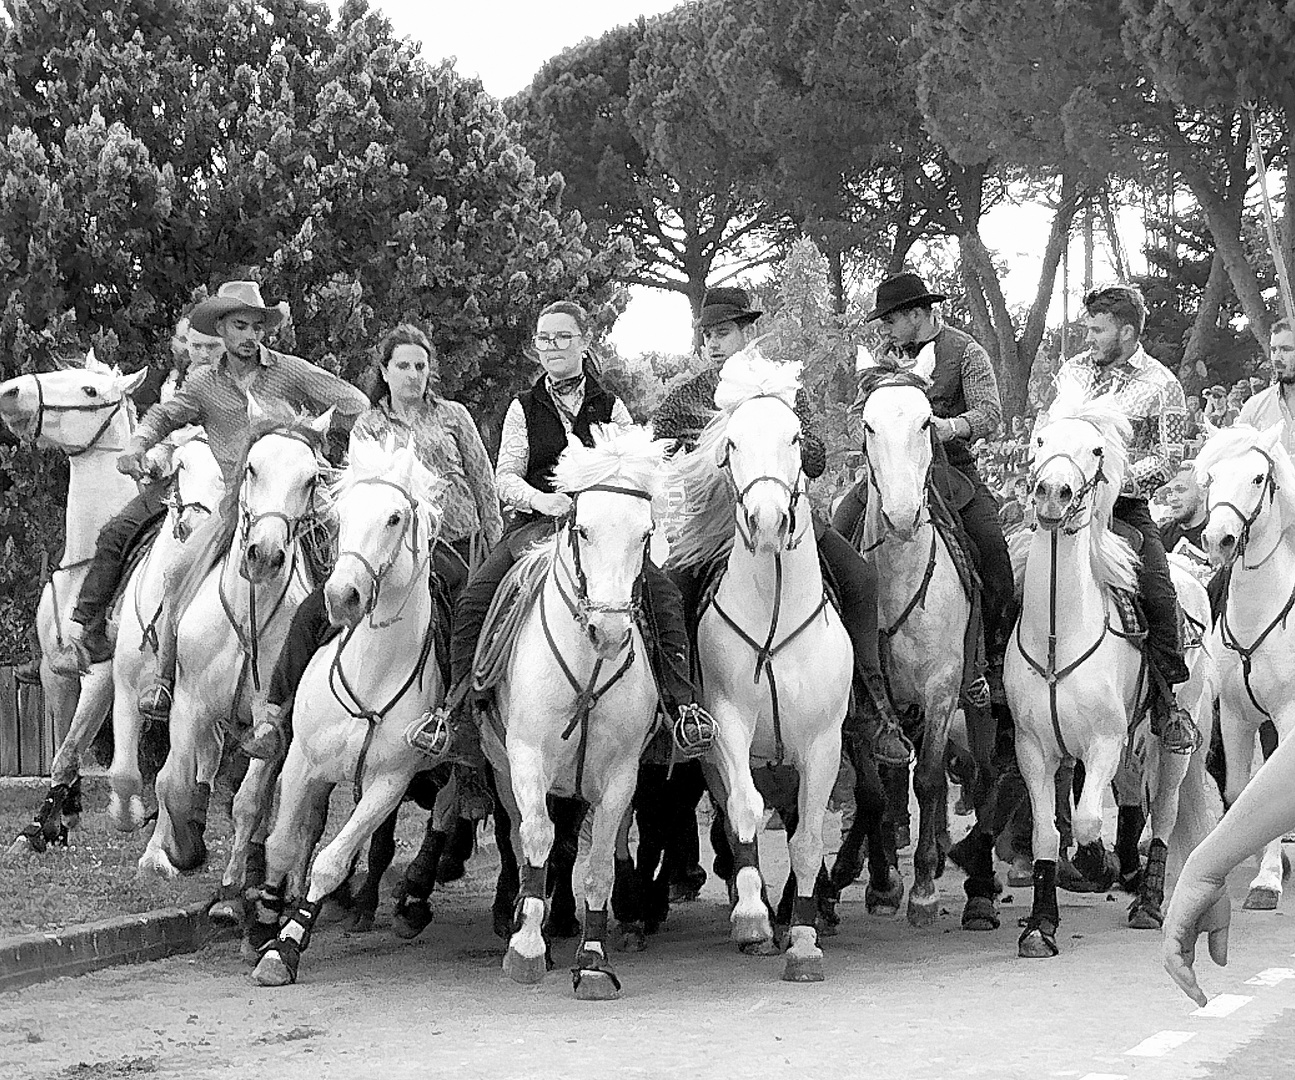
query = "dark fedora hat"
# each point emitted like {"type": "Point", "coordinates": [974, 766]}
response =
{"type": "Point", "coordinates": [726, 303]}
{"type": "Point", "coordinates": [901, 292]}
{"type": "Point", "coordinates": [230, 297]}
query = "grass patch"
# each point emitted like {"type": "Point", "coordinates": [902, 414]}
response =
{"type": "Point", "coordinates": [95, 876]}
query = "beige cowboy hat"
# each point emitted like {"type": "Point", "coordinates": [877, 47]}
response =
{"type": "Point", "coordinates": [230, 297]}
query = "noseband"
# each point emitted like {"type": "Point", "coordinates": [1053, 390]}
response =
{"type": "Point", "coordinates": [43, 407]}
{"type": "Point", "coordinates": [379, 573]}
{"type": "Point", "coordinates": [249, 521]}
{"type": "Point", "coordinates": [794, 490]}
{"type": "Point", "coordinates": [580, 605]}
{"type": "Point", "coordinates": [1078, 503]}
{"type": "Point", "coordinates": [1247, 521]}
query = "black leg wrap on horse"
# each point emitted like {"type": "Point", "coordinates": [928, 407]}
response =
{"type": "Point", "coordinates": [745, 855]}
{"type": "Point", "coordinates": [595, 924]}
{"type": "Point", "coordinates": [534, 882]}
{"type": "Point", "coordinates": [1045, 892]}
{"type": "Point", "coordinates": [305, 917]}
{"type": "Point", "coordinates": [804, 911]}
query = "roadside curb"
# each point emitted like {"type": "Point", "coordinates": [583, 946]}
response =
{"type": "Point", "coordinates": [127, 939]}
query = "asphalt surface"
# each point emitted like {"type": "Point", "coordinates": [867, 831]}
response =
{"type": "Point", "coordinates": [897, 1003]}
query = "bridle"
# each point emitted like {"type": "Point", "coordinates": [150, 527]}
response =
{"type": "Point", "coordinates": [890, 530]}
{"type": "Point", "coordinates": [578, 601]}
{"type": "Point", "coordinates": [377, 574]}
{"type": "Point", "coordinates": [248, 521]}
{"type": "Point", "coordinates": [1080, 500]}
{"type": "Point", "coordinates": [179, 507]}
{"type": "Point", "coordinates": [793, 490]}
{"type": "Point", "coordinates": [43, 407]}
{"type": "Point", "coordinates": [1247, 521]}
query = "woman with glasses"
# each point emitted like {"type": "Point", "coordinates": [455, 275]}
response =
{"type": "Point", "coordinates": [566, 400]}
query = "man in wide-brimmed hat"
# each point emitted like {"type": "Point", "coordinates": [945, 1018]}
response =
{"type": "Point", "coordinates": [216, 396]}
{"type": "Point", "coordinates": [965, 406]}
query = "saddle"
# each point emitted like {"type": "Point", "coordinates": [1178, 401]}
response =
{"type": "Point", "coordinates": [137, 549]}
{"type": "Point", "coordinates": [512, 603]}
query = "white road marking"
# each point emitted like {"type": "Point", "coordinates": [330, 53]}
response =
{"type": "Point", "coordinates": [1104, 1076]}
{"type": "Point", "coordinates": [1271, 977]}
{"type": "Point", "coordinates": [1160, 1043]}
{"type": "Point", "coordinates": [1223, 1005]}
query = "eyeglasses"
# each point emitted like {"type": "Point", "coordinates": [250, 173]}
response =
{"type": "Point", "coordinates": [560, 340]}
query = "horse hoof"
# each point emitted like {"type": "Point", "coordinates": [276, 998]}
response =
{"type": "Point", "coordinates": [803, 969]}
{"type": "Point", "coordinates": [751, 929]}
{"type": "Point", "coordinates": [768, 947]}
{"type": "Point", "coordinates": [272, 971]}
{"type": "Point", "coordinates": [411, 919]}
{"type": "Point", "coordinates": [1262, 899]}
{"type": "Point", "coordinates": [527, 970]}
{"type": "Point", "coordinates": [1035, 945]}
{"type": "Point", "coordinates": [595, 986]}
{"type": "Point", "coordinates": [885, 903]}
{"type": "Point", "coordinates": [1021, 874]}
{"type": "Point", "coordinates": [922, 912]}
{"type": "Point", "coordinates": [979, 913]}
{"type": "Point", "coordinates": [226, 913]}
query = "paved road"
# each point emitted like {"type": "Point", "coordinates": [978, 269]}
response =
{"type": "Point", "coordinates": [897, 1003]}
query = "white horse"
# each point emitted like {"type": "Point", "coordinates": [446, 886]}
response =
{"type": "Point", "coordinates": [229, 635]}
{"type": "Point", "coordinates": [360, 692]}
{"type": "Point", "coordinates": [1251, 529]}
{"type": "Point", "coordinates": [87, 413]}
{"type": "Point", "coordinates": [198, 487]}
{"type": "Point", "coordinates": [923, 612]}
{"type": "Point", "coordinates": [1073, 679]}
{"type": "Point", "coordinates": [775, 660]}
{"type": "Point", "coordinates": [577, 701]}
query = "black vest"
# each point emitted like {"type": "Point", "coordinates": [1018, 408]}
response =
{"type": "Point", "coordinates": [545, 435]}
{"type": "Point", "coordinates": [946, 396]}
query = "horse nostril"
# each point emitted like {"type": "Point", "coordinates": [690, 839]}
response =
{"type": "Point", "coordinates": [12, 392]}
{"type": "Point", "coordinates": [279, 559]}
{"type": "Point", "coordinates": [351, 598]}
{"type": "Point", "coordinates": [1066, 491]}
{"type": "Point", "coordinates": [253, 553]}
{"type": "Point", "coordinates": [1227, 541]}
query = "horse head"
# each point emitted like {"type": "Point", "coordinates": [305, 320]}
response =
{"type": "Point", "coordinates": [1243, 469]}
{"type": "Point", "coordinates": [387, 519]}
{"type": "Point", "coordinates": [72, 408]}
{"type": "Point", "coordinates": [1080, 457]}
{"type": "Point", "coordinates": [197, 484]}
{"type": "Point", "coordinates": [615, 486]}
{"type": "Point", "coordinates": [760, 449]}
{"type": "Point", "coordinates": [896, 421]}
{"type": "Point", "coordinates": [278, 488]}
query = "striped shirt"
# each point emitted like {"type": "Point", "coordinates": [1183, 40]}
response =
{"type": "Point", "coordinates": [1151, 397]}
{"type": "Point", "coordinates": [1267, 408]}
{"type": "Point", "coordinates": [446, 440]}
{"type": "Point", "coordinates": [211, 397]}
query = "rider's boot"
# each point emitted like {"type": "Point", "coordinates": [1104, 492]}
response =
{"type": "Point", "coordinates": [444, 734]}
{"type": "Point", "coordinates": [155, 699]}
{"type": "Point", "coordinates": [879, 722]}
{"type": "Point", "coordinates": [1172, 724]}
{"type": "Point", "coordinates": [271, 731]}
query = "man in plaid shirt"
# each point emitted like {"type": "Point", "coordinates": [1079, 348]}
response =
{"type": "Point", "coordinates": [216, 396]}
{"type": "Point", "coordinates": [1148, 393]}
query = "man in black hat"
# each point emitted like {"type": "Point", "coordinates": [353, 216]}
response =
{"type": "Point", "coordinates": [965, 407]}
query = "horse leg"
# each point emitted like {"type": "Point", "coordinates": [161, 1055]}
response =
{"type": "Point", "coordinates": [885, 891]}
{"type": "Point", "coordinates": [745, 812]}
{"type": "Point", "coordinates": [508, 883]}
{"type": "Point", "coordinates": [593, 977]}
{"type": "Point", "coordinates": [382, 851]}
{"type": "Point", "coordinates": [568, 816]}
{"type": "Point", "coordinates": [931, 786]}
{"type": "Point", "coordinates": [413, 905]}
{"type": "Point", "coordinates": [1092, 859]}
{"type": "Point", "coordinates": [280, 961]}
{"type": "Point", "coordinates": [1171, 769]}
{"type": "Point", "coordinates": [1039, 769]}
{"type": "Point", "coordinates": [125, 805]}
{"type": "Point", "coordinates": [250, 809]}
{"type": "Point", "coordinates": [628, 890]}
{"type": "Point", "coordinates": [525, 961]}
{"type": "Point", "coordinates": [818, 767]}
{"type": "Point", "coordinates": [655, 816]}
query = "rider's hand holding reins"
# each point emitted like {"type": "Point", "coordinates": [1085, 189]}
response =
{"type": "Point", "coordinates": [554, 504]}
{"type": "Point", "coordinates": [134, 462]}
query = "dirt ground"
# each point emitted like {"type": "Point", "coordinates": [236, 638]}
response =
{"type": "Point", "coordinates": [898, 1003]}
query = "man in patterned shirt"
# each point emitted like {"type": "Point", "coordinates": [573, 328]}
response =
{"type": "Point", "coordinates": [1148, 393]}
{"type": "Point", "coordinates": [216, 397]}
{"type": "Point", "coordinates": [1276, 404]}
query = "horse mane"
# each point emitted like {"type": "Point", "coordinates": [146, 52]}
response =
{"type": "Point", "coordinates": [1231, 442]}
{"type": "Point", "coordinates": [875, 378]}
{"type": "Point", "coordinates": [627, 457]}
{"type": "Point", "coordinates": [1114, 562]}
{"type": "Point", "coordinates": [370, 459]}
{"type": "Point", "coordinates": [705, 528]}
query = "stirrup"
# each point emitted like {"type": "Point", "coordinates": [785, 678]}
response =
{"type": "Point", "coordinates": [977, 693]}
{"type": "Point", "coordinates": [694, 731]}
{"type": "Point", "coordinates": [155, 701]}
{"type": "Point", "coordinates": [430, 735]}
{"type": "Point", "coordinates": [70, 661]}
{"type": "Point", "coordinates": [1179, 733]}
{"type": "Point", "coordinates": [268, 738]}
{"type": "Point", "coordinates": [888, 755]}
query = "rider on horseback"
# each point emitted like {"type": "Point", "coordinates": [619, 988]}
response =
{"type": "Point", "coordinates": [1149, 394]}
{"type": "Point", "coordinates": [216, 396]}
{"type": "Point", "coordinates": [727, 326]}
{"type": "Point", "coordinates": [87, 638]}
{"type": "Point", "coordinates": [446, 441]}
{"type": "Point", "coordinates": [965, 407]}
{"type": "Point", "coordinates": [563, 403]}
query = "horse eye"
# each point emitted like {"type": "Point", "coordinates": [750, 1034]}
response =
{"type": "Point", "coordinates": [867, 428]}
{"type": "Point", "coordinates": [1098, 451]}
{"type": "Point", "coordinates": [394, 520]}
{"type": "Point", "coordinates": [1258, 480]}
{"type": "Point", "coordinates": [251, 471]}
{"type": "Point", "coordinates": [581, 532]}
{"type": "Point", "coordinates": [90, 391]}
{"type": "Point", "coordinates": [795, 439]}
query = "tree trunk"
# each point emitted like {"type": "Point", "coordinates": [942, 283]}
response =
{"type": "Point", "coordinates": [1207, 315]}
{"type": "Point", "coordinates": [836, 278]}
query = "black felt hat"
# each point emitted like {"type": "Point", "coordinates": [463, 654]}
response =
{"type": "Point", "coordinates": [901, 292]}
{"type": "Point", "coordinates": [726, 304]}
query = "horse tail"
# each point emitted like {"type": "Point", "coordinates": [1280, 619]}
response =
{"type": "Point", "coordinates": [1200, 809]}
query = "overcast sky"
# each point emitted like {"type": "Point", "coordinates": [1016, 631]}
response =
{"type": "Point", "coordinates": [504, 42]}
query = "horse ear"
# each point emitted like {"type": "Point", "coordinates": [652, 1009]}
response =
{"type": "Point", "coordinates": [1271, 436]}
{"type": "Point", "coordinates": [130, 383]}
{"type": "Point", "coordinates": [1205, 423]}
{"type": "Point", "coordinates": [320, 424]}
{"type": "Point", "coordinates": [924, 365]}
